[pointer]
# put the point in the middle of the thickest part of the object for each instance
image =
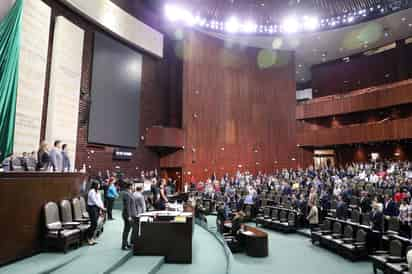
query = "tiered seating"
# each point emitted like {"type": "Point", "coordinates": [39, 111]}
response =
{"type": "Point", "coordinates": [278, 218]}
{"type": "Point", "coordinates": [393, 261]}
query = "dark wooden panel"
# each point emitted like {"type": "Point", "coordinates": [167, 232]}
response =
{"type": "Point", "coordinates": [361, 72]}
{"type": "Point", "coordinates": [367, 99]}
{"type": "Point", "coordinates": [359, 133]}
{"type": "Point", "coordinates": [164, 137]}
{"type": "Point", "coordinates": [235, 113]}
{"type": "Point", "coordinates": [22, 196]}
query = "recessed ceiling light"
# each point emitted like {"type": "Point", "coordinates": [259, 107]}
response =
{"type": "Point", "coordinates": [410, 25]}
{"type": "Point", "coordinates": [300, 65]}
{"type": "Point", "coordinates": [303, 79]}
{"type": "Point", "coordinates": [403, 19]}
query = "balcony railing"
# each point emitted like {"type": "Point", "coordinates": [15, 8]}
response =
{"type": "Point", "coordinates": [358, 133]}
{"type": "Point", "coordinates": [361, 100]}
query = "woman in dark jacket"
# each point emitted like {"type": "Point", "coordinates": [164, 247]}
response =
{"type": "Point", "coordinates": [43, 157]}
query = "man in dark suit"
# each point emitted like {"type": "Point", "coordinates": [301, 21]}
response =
{"type": "Point", "coordinates": [376, 218]}
{"type": "Point", "coordinates": [341, 209]}
{"type": "Point", "coordinates": [390, 208]}
{"type": "Point", "coordinates": [128, 213]}
{"type": "Point", "coordinates": [365, 203]}
{"type": "Point", "coordinates": [140, 205]}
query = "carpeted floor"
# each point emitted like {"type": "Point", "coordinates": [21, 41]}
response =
{"type": "Point", "coordinates": [288, 254]}
{"type": "Point", "coordinates": [98, 259]}
{"type": "Point", "coordinates": [293, 254]}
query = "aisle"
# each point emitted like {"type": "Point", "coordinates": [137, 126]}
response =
{"type": "Point", "coordinates": [295, 254]}
{"type": "Point", "coordinates": [208, 256]}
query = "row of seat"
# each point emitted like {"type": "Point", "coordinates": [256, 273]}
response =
{"type": "Point", "coordinates": [394, 260]}
{"type": "Point", "coordinates": [278, 218]}
{"type": "Point", "coordinates": [344, 241]}
{"type": "Point", "coordinates": [68, 224]}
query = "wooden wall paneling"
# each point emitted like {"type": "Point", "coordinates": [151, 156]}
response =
{"type": "Point", "coordinates": [22, 197]}
{"type": "Point", "coordinates": [380, 97]}
{"type": "Point", "coordinates": [235, 113]}
{"type": "Point", "coordinates": [399, 129]}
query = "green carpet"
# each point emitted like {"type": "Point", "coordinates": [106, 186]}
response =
{"type": "Point", "coordinates": [288, 254]}
{"type": "Point", "coordinates": [295, 254]}
{"type": "Point", "coordinates": [208, 256]}
{"type": "Point", "coordinates": [98, 259]}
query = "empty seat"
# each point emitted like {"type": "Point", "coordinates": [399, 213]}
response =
{"type": "Point", "coordinates": [355, 216]}
{"type": "Point", "coordinates": [348, 234]}
{"type": "Point", "coordinates": [260, 219]}
{"type": "Point", "coordinates": [366, 219]}
{"type": "Point", "coordinates": [57, 235]}
{"type": "Point", "coordinates": [325, 229]}
{"type": "Point", "coordinates": [380, 260]}
{"type": "Point", "coordinates": [357, 249]}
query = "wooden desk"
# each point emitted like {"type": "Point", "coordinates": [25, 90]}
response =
{"type": "Point", "coordinates": [22, 197]}
{"type": "Point", "coordinates": [163, 237]}
{"type": "Point", "coordinates": [255, 241]}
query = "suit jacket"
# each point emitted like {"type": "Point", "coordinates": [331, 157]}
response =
{"type": "Point", "coordinates": [313, 216]}
{"type": "Point", "coordinates": [56, 159]}
{"type": "Point", "coordinates": [66, 161]}
{"type": "Point", "coordinates": [129, 205]}
{"type": "Point", "coordinates": [365, 205]}
{"type": "Point", "coordinates": [390, 209]}
{"type": "Point", "coordinates": [376, 220]}
{"type": "Point", "coordinates": [140, 203]}
{"type": "Point", "coordinates": [341, 210]}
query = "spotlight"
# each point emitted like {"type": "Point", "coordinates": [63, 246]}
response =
{"type": "Point", "coordinates": [290, 25]}
{"type": "Point", "coordinates": [232, 25]}
{"type": "Point", "coordinates": [310, 23]}
{"type": "Point", "coordinates": [249, 27]}
{"type": "Point", "coordinates": [174, 13]}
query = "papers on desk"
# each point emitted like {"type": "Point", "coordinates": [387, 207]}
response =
{"type": "Point", "coordinates": [180, 219]}
{"type": "Point", "coordinates": [248, 233]}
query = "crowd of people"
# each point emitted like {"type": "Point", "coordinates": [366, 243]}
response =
{"type": "Point", "coordinates": [383, 189]}
{"type": "Point", "coordinates": [148, 192]}
{"type": "Point", "coordinates": [55, 159]}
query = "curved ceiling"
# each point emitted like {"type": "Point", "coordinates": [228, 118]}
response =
{"type": "Point", "coordinates": [318, 47]}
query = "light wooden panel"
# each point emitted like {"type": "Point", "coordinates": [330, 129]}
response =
{"type": "Point", "coordinates": [66, 67]}
{"type": "Point", "coordinates": [32, 74]}
{"type": "Point", "coordinates": [120, 23]}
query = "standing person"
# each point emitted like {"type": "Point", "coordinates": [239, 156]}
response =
{"type": "Point", "coordinates": [111, 196]}
{"type": "Point", "coordinates": [94, 205]}
{"type": "Point", "coordinates": [43, 157]}
{"type": "Point", "coordinates": [128, 213]}
{"type": "Point", "coordinates": [56, 157]}
{"type": "Point", "coordinates": [163, 201]}
{"type": "Point", "coordinates": [140, 204]}
{"type": "Point", "coordinates": [313, 216]}
{"type": "Point", "coordinates": [405, 230]}
{"type": "Point", "coordinates": [66, 159]}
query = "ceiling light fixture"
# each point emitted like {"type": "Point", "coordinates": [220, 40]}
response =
{"type": "Point", "coordinates": [232, 25]}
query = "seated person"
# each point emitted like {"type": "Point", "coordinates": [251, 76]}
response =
{"type": "Point", "coordinates": [237, 222]}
